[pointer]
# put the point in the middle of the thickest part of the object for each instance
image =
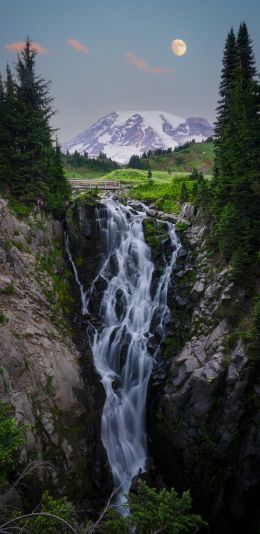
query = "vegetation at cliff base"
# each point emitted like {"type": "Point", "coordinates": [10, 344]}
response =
{"type": "Point", "coordinates": [153, 511]}
{"type": "Point", "coordinates": [12, 438]}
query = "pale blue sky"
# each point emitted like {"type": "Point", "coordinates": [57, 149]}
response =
{"type": "Point", "coordinates": [87, 86]}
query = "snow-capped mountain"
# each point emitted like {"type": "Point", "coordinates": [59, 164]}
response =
{"type": "Point", "coordinates": [121, 134]}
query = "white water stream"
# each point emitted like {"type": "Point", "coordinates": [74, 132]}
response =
{"type": "Point", "coordinates": [120, 345]}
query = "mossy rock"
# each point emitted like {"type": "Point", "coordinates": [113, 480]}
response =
{"type": "Point", "coordinates": [155, 233]}
{"type": "Point", "coordinates": [87, 199]}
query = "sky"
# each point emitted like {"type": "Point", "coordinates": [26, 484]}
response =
{"type": "Point", "coordinates": [109, 55]}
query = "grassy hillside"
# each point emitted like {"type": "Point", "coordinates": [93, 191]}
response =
{"type": "Point", "coordinates": [197, 155]}
{"type": "Point", "coordinates": [164, 190]}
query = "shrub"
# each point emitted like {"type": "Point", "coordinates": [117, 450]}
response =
{"type": "Point", "coordinates": [153, 511]}
{"type": "Point", "coordinates": [8, 290]}
{"type": "Point", "coordinates": [89, 198]}
{"type": "Point", "coordinates": [12, 438]}
{"type": "Point", "coordinates": [39, 523]}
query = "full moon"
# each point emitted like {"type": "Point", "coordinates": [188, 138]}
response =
{"type": "Point", "coordinates": [178, 47]}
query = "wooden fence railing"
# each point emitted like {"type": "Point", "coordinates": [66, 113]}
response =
{"type": "Point", "coordinates": [85, 185]}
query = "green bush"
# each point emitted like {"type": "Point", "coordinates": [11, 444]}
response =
{"type": "Point", "coordinates": [12, 438]}
{"type": "Point", "coordinates": [20, 209]}
{"type": "Point", "coordinates": [3, 319]}
{"type": "Point", "coordinates": [89, 198]}
{"type": "Point", "coordinates": [153, 511]}
{"type": "Point", "coordinates": [8, 290]}
{"type": "Point", "coordinates": [181, 227]}
{"type": "Point", "coordinates": [42, 524]}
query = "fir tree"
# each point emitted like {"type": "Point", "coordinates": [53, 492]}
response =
{"type": "Point", "coordinates": [222, 125]}
{"type": "Point", "coordinates": [33, 131]}
{"type": "Point", "coordinates": [29, 164]}
{"type": "Point", "coordinates": [7, 128]}
{"type": "Point", "coordinates": [59, 191]}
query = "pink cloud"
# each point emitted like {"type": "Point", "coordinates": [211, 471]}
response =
{"type": "Point", "coordinates": [19, 45]}
{"type": "Point", "coordinates": [79, 47]}
{"type": "Point", "coordinates": [141, 64]}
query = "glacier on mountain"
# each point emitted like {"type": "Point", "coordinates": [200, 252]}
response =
{"type": "Point", "coordinates": [121, 134]}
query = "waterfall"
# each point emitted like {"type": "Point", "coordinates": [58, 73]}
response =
{"type": "Point", "coordinates": [132, 308]}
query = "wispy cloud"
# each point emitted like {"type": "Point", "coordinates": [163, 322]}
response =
{"type": "Point", "coordinates": [19, 45]}
{"type": "Point", "coordinates": [78, 46]}
{"type": "Point", "coordinates": [141, 64]}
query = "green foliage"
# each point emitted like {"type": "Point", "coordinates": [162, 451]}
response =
{"type": "Point", "coordinates": [155, 233]}
{"type": "Point", "coordinates": [80, 165]}
{"type": "Point", "coordinates": [181, 226]}
{"type": "Point", "coordinates": [59, 296]}
{"type": "Point", "coordinates": [79, 261]}
{"type": "Point", "coordinates": [253, 343]}
{"type": "Point", "coordinates": [87, 199]}
{"type": "Point", "coordinates": [8, 290]}
{"type": "Point", "coordinates": [183, 158]}
{"type": "Point", "coordinates": [3, 319]}
{"type": "Point", "coordinates": [60, 508]}
{"type": "Point", "coordinates": [136, 162]}
{"type": "Point", "coordinates": [152, 511]}
{"type": "Point", "coordinates": [30, 167]}
{"type": "Point", "coordinates": [227, 230]}
{"type": "Point", "coordinates": [149, 176]}
{"type": "Point", "coordinates": [164, 190]}
{"type": "Point", "coordinates": [12, 438]}
{"type": "Point", "coordinates": [184, 195]}
{"type": "Point", "coordinates": [20, 209]}
{"type": "Point", "coordinates": [232, 200]}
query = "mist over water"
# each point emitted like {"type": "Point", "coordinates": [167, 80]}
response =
{"type": "Point", "coordinates": [133, 307]}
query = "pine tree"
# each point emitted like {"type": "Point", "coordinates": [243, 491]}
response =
{"type": "Point", "coordinates": [7, 128]}
{"type": "Point", "coordinates": [33, 131]}
{"type": "Point", "coordinates": [59, 190]}
{"type": "Point", "coordinates": [236, 185]}
{"type": "Point", "coordinates": [222, 126]}
{"type": "Point", "coordinates": [2, 135]}
{"type": "Point", "coordinates": [29, 164]}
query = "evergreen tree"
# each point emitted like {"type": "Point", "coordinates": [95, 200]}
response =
{"type": "Point", "coordinates": [33, 131]}
{"type": "Point", "coordinates": [236, 185]}
{"type": "Point", "coordinates": [29, 164]}
{"type": "Point", "coordinates": [222, 125]}
{"type": "Point", "coordinates": [7, 127]}
{"type": "Point", "coordinates": [59, 190]}
{"type": "Point", "coordinates": [3, 137]}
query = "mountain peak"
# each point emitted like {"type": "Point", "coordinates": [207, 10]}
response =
{"type": "Point", "coordinates": [120, 134]}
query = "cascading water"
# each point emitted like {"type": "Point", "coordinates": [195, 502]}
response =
{"type": "Point", "coordinates": [130, 312]}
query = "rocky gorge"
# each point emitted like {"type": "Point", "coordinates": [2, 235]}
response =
{"type": "Point", "coordinates": [41, 373]}
{"type": "Point", "coordinates": [203, 395]}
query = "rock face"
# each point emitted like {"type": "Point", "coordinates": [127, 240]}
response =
{"type": "Point", "coordinates": [41, 375]}
{"type": "Point", "coordinates": [204, 419]}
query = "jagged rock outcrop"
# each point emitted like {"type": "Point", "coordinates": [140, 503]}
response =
{"type": "Point", "coordinates": [41, 375]}
{"type": "Point", "coordinates": [204, 420]}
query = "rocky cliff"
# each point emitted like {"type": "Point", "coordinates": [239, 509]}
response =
{"type": "Point", "coordinates": [204, 419]}
{"type": "Point", "coordinates": [41, 365]}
